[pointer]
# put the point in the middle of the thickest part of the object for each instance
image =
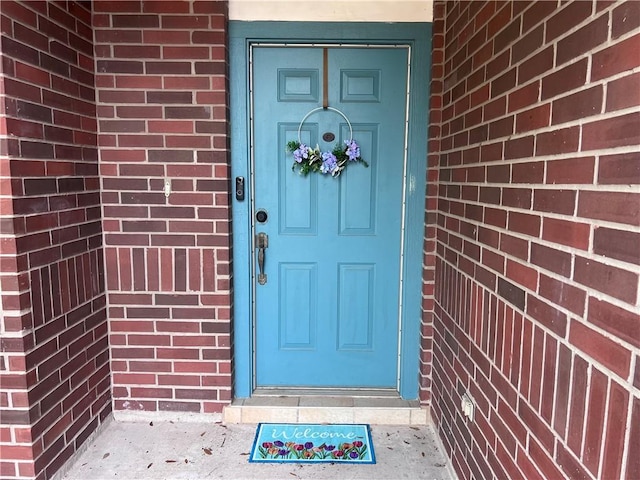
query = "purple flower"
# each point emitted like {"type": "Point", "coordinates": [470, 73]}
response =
{"type": "Point", "coordinates": [353, 454]}
{"type": "Point", "coordinates": [308, 445]}
{"type": "Point", "coordinates": [278, 443]}
{"type": "Point", "coordinates": [328, 448]}
{"type": "Point", "coordinates": [282, 452]}
{"type": "Point", "coordinates": [353, 150]}
{"type": "Point", "coordinates": [301, 152]}
{"type": "Point", "coordinates": [329, 163]}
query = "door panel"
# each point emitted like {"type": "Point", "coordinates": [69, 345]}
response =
{"type": "Point", "coordinates": [328, 314]}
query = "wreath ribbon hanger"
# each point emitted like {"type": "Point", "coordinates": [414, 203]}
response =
{"type": "Point", "coordinates": [325, 78]}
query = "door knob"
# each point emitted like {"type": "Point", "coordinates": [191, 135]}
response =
{"type": "Point", "coordinates": [262, 242]}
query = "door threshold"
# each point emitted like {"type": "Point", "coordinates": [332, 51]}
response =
{"type": "Point", "coordinates": [326, 392]}
{"type": "Point", "coordinates": [375, 407]}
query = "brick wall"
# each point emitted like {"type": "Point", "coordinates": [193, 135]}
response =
{"type": "Point", "coordinates": [162, 116]}
{"type": "Point", "coordinates": [536, 148]}
{"type": "Point", "coordinates": [54, 370]}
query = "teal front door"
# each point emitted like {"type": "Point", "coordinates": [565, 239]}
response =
{"type": "Point", "coordinates": [327, 305]}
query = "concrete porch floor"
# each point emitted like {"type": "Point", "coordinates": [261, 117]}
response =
{"type": "Point", "coordinates": [196, 450]}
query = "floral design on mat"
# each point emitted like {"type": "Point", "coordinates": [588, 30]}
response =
{"type": "Point", "coordinates": [308, 451]}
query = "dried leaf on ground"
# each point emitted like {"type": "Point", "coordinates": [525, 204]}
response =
{"type": "Point", "coordinates": [207, 451]}
{"type": "Point", "coordinates": [105, 455]}
{"type": "Point", "coordinates": [149, 466]}
{"type": "Point", "coordinates": [170, 461]}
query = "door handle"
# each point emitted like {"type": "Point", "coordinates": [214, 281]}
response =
{"type": "Point", "coordinates": [262, 242]}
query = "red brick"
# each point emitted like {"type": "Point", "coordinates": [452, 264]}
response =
{"type": "Point", "coordinates": [633, 461]}
{"type": "Point", "coordinates": [209, 37]}
{"type": "Point", "coordinates": [536, 426]}
{"type": "Point", "coordinates": [622, 169]}
{"type": "Point", "coordinates": [544, 461]}
{"type": "Point", "coordinates": [577, 106]}
{"type": "Point", "coordinates": [529, 172]}
{"type": "Point", "coordinates": [571, 171]}
{"type": "Point", "coordinates": [524, 463]}
{"type": "Point", "coordinates": [563, 294]}
{"type": "Point", "coordinates": [527, 45]}
{"type": "Point", "coordinates": [568, 17]}
{"type": "Point", "coordinates": [496, 108]}
{"type": "Point", "coordinates": [565, 232]}
{"type": "Point", "coordinates": [614, 442]}
{"type": "Point", "coordinates": [617, 207]}
{"type": "Point", "coordinates": [594, 420]}
{"type": "Point", "coordinates": [507, 35]}
{"type": "Point", "coordinates": [533, 119]}
{"type": "Point", "coordinates": [618, 244]}
{"type": "Point", "coordinates": [519, 147]}
{"type": "Point", "coordinates": [616, 282]}
{"type": "Point", "coordinates": [584, 40]}
{"type": "Point", "coordinates": [517, 197]}
{"type": "Point", "coordinates": [537, 12]}
{"type": "Point", "coordinates": [159, 6]}
{"type": "Point", "coordinates": [622, 323]}
{"type": "Point", "coordinates": [562, 390]}
{"type": "Point", "coordinates": [558, 141]}
{"type": "Point", "coordinates": [501, 128]}
{"type": "Point", "coordinates": [626, 17]}
{"type": "Point", "coordinates": [134, 21]}
{"type": "Point", "coordinates": [607, 352]}
{"type": "Point", "coordinates": [549, 317]}
{"type": "Point", "coordinates": [577, 405]}
{"type": "Point", "coordinates": [615, 59]}
{"type": "Point", "coordinates": [623, 93]}
{"type": "Point", "coordinates": [535, 66]}
{"type": "Point", "coordinates": [569, 464]}
{"type": "Point", "coordinates": [504, 83]}
{"type": "Point", "coordinates": [555, 201]}
{"type": "Point", "coordinates": [524, 223]}
{"type": "Point", "coordinates": [500, 19]}
{"type": "Point", "coordinates": [549, 379]}
{"type": "Point", "coordinates": [517, 247]}
{"type": "Point", "coordinates": [524, 97]}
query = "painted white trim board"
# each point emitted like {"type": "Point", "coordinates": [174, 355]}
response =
{"type": "Point", "coordinates": [332, 10]}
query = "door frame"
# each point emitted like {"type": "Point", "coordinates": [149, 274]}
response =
{"type": "Point", "coordinates": [417, 36]}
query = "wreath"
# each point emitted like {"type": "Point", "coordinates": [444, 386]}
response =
{"type": "Point", "coordinates": [306, 159]}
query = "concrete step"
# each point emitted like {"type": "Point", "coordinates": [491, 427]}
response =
{"type": "Point", "coordinates": [373, 407]}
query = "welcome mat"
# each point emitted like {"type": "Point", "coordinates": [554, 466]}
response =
{"type": "Point", "coordinates": [312, 443]}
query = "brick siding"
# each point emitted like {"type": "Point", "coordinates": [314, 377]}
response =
{"type": "Point", "coordinates": [54, 360]}
{"type": "Point", "coordinates": [534, 141]}
{"type": "Point", "coordinates": [161, 86]}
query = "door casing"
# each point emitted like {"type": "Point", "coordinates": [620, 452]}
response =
{"type": "Point", "coordinates": [417, 36]}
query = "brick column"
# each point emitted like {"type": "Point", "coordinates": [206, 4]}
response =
{"type": "Point", "coordinates": [54, 370]}
{"type": "Point", "coordinates": [162, 110]}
